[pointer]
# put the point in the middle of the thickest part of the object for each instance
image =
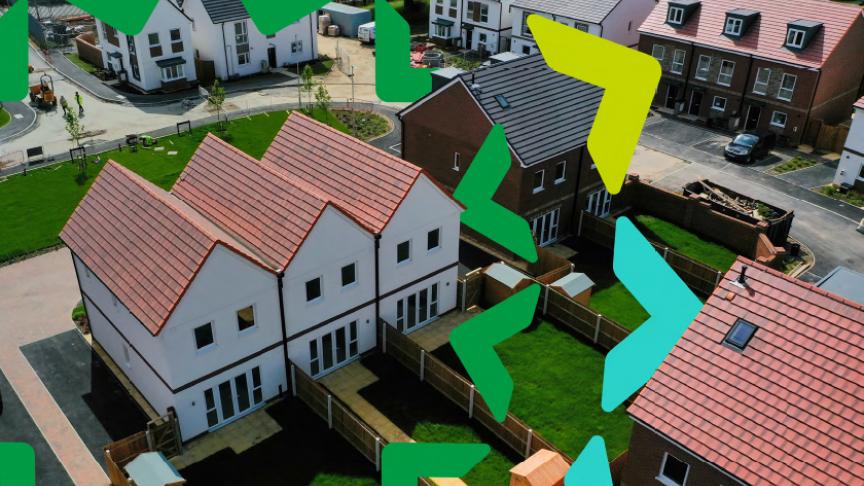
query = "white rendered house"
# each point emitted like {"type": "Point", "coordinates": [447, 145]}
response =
{"type": "Point", "coordinates": [479, 25]}
{"type": "Point", "coordinates": [160, 58]}
{"type": "Point", "coordinates": [850, 168]}
{"type": "Point", "coordinates": [225, 35]}
{"type": "Point", "coordinates": [205, 295]}
{"type": "Point", "coordinates": [616, 20]}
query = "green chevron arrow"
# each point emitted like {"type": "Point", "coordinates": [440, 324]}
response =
{"type": "Point", "coordinates": [13, 62]}
{"type": "Point", "coordinates": [271, 16]}
{"type": "Point", "coordinates": [404, 462]}
{"type": "Point", "coordinates": [395, 79]}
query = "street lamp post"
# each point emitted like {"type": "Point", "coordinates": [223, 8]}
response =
{"type": "Point", "coordinates": [353, 111]}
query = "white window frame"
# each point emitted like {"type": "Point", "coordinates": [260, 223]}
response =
{"type": "Point", "coordinates": [438, 245]}
{"type": "Point", "coordinates": [173, 73]}
{"type": "Point", "coordinates": [763, 84]}
{"type": "Point", "coordinates": [581, 26]}
{"type": "Point", "coordinates": [678, 66]}
{"type": "Point", "coordinates": [320, 279]}
{"type": "Point", "coordinates": [714, 104]}
{"type": "Point", "coordinates": [208, 347]}
{"type": "Point", "coordinates": [457, 161]}
{"type": "Point", "coordinates": [342, 280]}
{"type": "Point", "coordinates": [707, 69]}
{"type": "Point", "coordinates": [785, 121]}
{"type": "Point", "coordinates": [175, 42]}
{"type": "Point", "coordinates": [662, 50]}
{"type": "Point", "coordinates": [242, 39]}
{"type": "Point", "coordinates": [406, 261]}
{"type": "Point", "coordinates": [563, 177]}
{"type": "Point", "coordinates": [733, 26]}
{"type": "Point", "coordinates": [151, 44]}
{"type": "Point", "coordinates": [526, 30]}
{"type": "Point", "coordinates": [795, 38]}
{"type": "Point", "coordinates": [542, 186]}
{"type": "Point", "coordinates": [721, 74]}
{"type": "Point", "coordinates": [669, 481]}
{"type": "Point", "coordinates": [675, 15]}
{"type": "Point", "coordinates": [248, 330]}
{"type": "Point", "coordinates": [783, 88]}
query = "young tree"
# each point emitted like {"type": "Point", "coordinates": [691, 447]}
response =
{"type": "Point", "coordinates": [75, 129]}
{"type": "Point", "coordinates": [216, 99]}
{"type": "Point", "coordinates": [322, 100]}
{"type": "Point", "coordinates": [308, 85]}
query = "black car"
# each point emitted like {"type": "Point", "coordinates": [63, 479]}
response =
{"type": "Point", "coordinates": [750, 146]}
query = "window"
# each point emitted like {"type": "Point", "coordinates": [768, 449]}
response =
{"type": "Point", "coordinates": [433, 239]}
{"type": "Point", "coordinates": [861, 172]}
{"type": "Point", "coordinates": [778, 119]}
{"type": "Point", "coordinates": [403, 251]}
{"type": "Point", "coordinates": [658, 52]}
{"type": "Point", "coordinates": [787, 87]}
{"type": "Point", "coordinates": [719, 104]}
{"type": "Point", "coordinates": [155, 46]}
{"type": "Point", "coordinates": [526, 50]}
{"type": "Point", "coordinates": [678, 61]}
{"type": "Point", "coordinates": [702, 68]}
{"type": "Point", "coordinates": [111, 35]}
{"type": "Point", "coordinates": [352, 338]}
{"type": "Point", "coordinates": [526, 30]}
{"type": "Point", "coordinates": [675, 16]}
{"type": "Point", "coordinates": [453, 9]}
{"type": "Point", "coordinates": [457, 161]}
{"type": "Point", "coordinates": [257, 394]}
{"type": "Point", "coordinates": [439, 7]}
{"type": "Point", "coordinates": [349, 274]}
{"type": "Point", "coordinates": [560, 171]}
{"type": "Point", "coordinates": [133, 57]}
{"type": "Point", "coordinates": [442, 31]}
{"type": "Point", "coordinates": [740, 334]}
{"type": "Point", "coordinates": [204, 336]}
{"type": "Point", "coordinates": [538, 181]}
{"type": "Point", "coordinates": [733, 26]}
{"type": "Point", "coordinates": [241, 39]}
{"type": "Point", "coordinates": [314, 362]}
{"type": "Point", "coordinates": [478, 12]}
{"type": "Point", "coordinates": [581, 26]}
{"type": "Point", "coordinates": [245, 318]}
{"type": "Point", "coordinates": [313, 289]}
{"type": "Point", "coordinates": [173, 73]}
{"type": "Point", "coordinates": [674, 471]}
{"type": "Point", "coordinates": [795, 38]}
{"type": "Point", "coordinates": [482, 37]}
{"type": "Point", "coordinates": [176, 41]}
{"type": "Point", "coordinates": [210, 407]}
{"type": "Point", "coordinates": [760, 86]}
{"type": "Point", "coordinates": [724, 77]}
{"type": "Point", "coordinates": [297, 46]}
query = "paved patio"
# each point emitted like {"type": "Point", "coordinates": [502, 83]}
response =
{"type": "Point", "coordinates": [436, 334]}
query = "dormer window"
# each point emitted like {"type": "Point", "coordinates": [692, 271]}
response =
{"type": "Point", "coordinates": [800, 33]}
{"type": "Point", "coordinates": [733, 26]}
{"type": "Point", "coordinates": [676, 15]}
{"type": "Point", "coordinates": [738, 21]}
{"type": "Point", "coordinates": [795, 38]}
{"type": "Point", "coordinates": [680, 10]}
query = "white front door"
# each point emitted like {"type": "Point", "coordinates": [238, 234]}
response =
{"type": "Point", "coordinates": [545, 227]}
{"type": "Point", "coordinates": [415, 310]}
{"type": "Point", "coordinates": [600, 203]}
{"type": "Point", "coordinates": [333, 349]}
{"type": "Point", "coordinates": [233, 398]}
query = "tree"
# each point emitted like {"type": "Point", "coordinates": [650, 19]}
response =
{"type": "Point", "coordinates": [75, 129]}
{"type": "Point", "coordinates": [216, 99]}
{"type": "Point", "coordinates": [322, 99]}
{"type": "Point", "coordinates": [308, 85]}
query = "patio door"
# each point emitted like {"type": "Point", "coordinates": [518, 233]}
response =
{"type": "Point", "coordinates": [600, 203]}
{"type": "Point", "coordinates": [233, 398]}
{"type": "Point", "coordinates": [753, 115]}
{"type": "Point", "coordinates": [333, 349]}
{"type": "Point", "coordinates": [695, 103]}
{"type": "Point", "coordinates": [415, 310]}
{"type": "Point", "coordinates": [545, 227]}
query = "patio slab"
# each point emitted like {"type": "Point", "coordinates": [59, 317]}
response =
{"type": "Point", "coordinates": [436, 334]}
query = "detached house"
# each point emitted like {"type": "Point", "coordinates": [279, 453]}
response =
{"type": "Point", "coordinates": [616, 20]}
{"type": "Point", "coordinates": [160, 58]}
{"type": "Point", "coordinates": [206, 295]}
{"type": "Point", "coordinates": [480, 25]}
{"type": "Point", "coordinates": [757, 65]}
{"type": "Point", "coordinates": [850, 168]}
{"type": "Point", "coordinates": [765, 387]}
{"type": "Point", "coordinates": [546, 116]}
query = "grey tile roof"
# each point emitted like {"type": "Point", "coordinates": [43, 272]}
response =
{"type": "Point", "coordinates": [844, 282]}
{"type": "Point", "coordinates": [221, 11]}
{"type": "Point", "coordinates": [548, 113]}
{"type": "Point", "coordinates": [593, 11]}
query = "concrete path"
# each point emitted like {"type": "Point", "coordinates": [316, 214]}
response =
{"type": "Point", "coordinates": [36, 303]}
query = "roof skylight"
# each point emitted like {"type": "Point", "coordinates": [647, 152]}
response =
{"type": "Point", "coordinates": [740, 334]}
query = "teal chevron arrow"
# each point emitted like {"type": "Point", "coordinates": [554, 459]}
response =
{"type": "Point", "coordinates": [404, 462]}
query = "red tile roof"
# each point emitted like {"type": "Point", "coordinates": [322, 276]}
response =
{"type": "Point", "coordinates": [767, 35]}
{"type": "Point", "coordinates": [859, 103]}
{"type": "Point", "coordinates": [368, 183]}
{"type": "Point", "coordinates": [119, 231]}
{"type": "Point", "coordinates": [253, 201]}
{"type": "Point", "coordinates": [790, 407]}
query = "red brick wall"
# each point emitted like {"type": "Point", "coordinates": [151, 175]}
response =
{"type": "Point", "coordinates": [841, 77]}
{"type": "Point", "coordinates": [87, 50]}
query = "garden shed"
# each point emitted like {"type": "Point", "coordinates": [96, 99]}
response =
{"type": "Point", "coordinates": [348, 18]}
{"type": "Point", "coordinates": [544, 468]}
{"type": "Point", "coordinates": [577, 286]}
{"type": "Point", "coordinates": [153, 469]}
{"type": "Point", "coordinates": [501, 281]}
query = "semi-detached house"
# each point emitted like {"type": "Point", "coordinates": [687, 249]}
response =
{"type": "Point", "coordinates": [758, 64]}
{"type": "Point", "coordinates": [479, 25]}
{"type": "Point", "coordinates": [205, 295]}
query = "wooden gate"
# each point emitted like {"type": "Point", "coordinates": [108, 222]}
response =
{"type": "Point", "coordinates": [163, 434]}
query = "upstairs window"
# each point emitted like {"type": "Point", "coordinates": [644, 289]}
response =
{"type": "Point", "coordinates": [526, 31]}
{"type": "Point", "coordinates": [678, 61]}
{"type": "Point", "coordinates": [403, 252]}
{"type": "Point", "coordinates": [658, 52]}
{"type": "Point", "coordinates": [245, 318]}
{"type": "Point", "coordinates": [787, 87]}
{"type": "Point", "coordinates": [763, 76]}
{"type": "Point", "coordinates": [433, 239]}
{"type": "Point", "coordinates": [538, 181]}
{"type": "Point", "coordinates": [111, 35]}
{"type": "Point", "coordinates": [727, 69]}
{"type": "Point", "coordinates": [560, 171]}
{"type": "Point", "coordinates": [439, 7]}
{"type": "Point", "coordinates": [675, 15]}
{"type": "Point", "coordinates": [674, 471]}
{"type": "Point", "coordinates": [176, 41]}
{"type": "Point", "coordinates": [313, 289]}
{"type": "Point", "coordinates": [204, 336]}
{"type": "Point", "coordinates": [740, 334]}
{"type": "Point", "coordinates": [478, 12]}
{"type": "Point", "coordinates": [795, 38]}
{"type": "Point", "coordinates": [453, 9]}
{"type": "Point", "coordinates": [702, 68]}
{"type": "Point", "coordinates": [581, 26]}
{"type": "Point", "coordinates": [349, 274]}
{"type": "Point", "coordinates": [733, 26]}
{"type": "Point", "coordinates": [155, 45]}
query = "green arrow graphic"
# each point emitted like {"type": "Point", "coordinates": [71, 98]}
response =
{"type": "Point", "coordinates": [128, 18]}
{"type": "Point", "coordinates": [271, 16]}
{"type": "Point", "coordinates": [13, 61]}
{"type": "Point", "coordinates": [395, 79]}
{"type": "Point", "coordinates": [404, 462]}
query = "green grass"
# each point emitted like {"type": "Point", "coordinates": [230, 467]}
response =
{"type": "Point", "coordinates": [5, 117]}
{"type": "Point", "coordinates": [78, 312]}
{"type": "Point", "coordinates": [81, 63]}
{"type": "Point", "coordinates": [34, 208]}
{"type": "Point", "coordinates": [618, 304]}
{"type": "Point", "coordinates": [686, 243]}
{"type": "Point", "coordinates": [852, 196]}
{"type": "Point", "coordinates": [794, 164]}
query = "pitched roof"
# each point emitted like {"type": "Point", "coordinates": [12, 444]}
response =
{"type": "Point", "coordinates": [365, 182]}
{"type": "Point", "coordinates": [593, 11]}
{"type": "Point", "coordinates": [844, 282]}
{"type": "Point", "coordinates": [859, 103]}
{"type": "Point", "coordinates": [251, 200]}
{"type": "Point", "coordinates": [221, 11]}
{"type": "Point", "coordinates": [789, 408]}
{"type": "Point", "coordinates": [121, 230]}
{"type": "Point", "coordinates": [767, 36]}
{"type": "Point", "coordinates": [544, 113]}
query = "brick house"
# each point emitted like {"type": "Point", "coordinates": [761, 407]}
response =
{"type": "Point", "coordinates": [765, 387]}
{"type": "Point", "coordinates": [757, 65]}
{"type": "Point", "coordinates": [546, 117]}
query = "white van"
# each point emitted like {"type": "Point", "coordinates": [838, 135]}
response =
{"type": "Point", "coordinates": [366, 33]}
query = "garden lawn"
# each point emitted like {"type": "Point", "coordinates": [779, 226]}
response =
{"type": "Point", "coordinates": [851, 196]}
{"type": "Point", "coordinates": [4, 117]}
{"type": "Point", "coordinates": [81, 63]}
{"type": "Point", "coordinates": [684, 242]}
{"type": "Point", "coordinates": [34, 208]}
{"type": "Point", "coordinates": [793, 164]}
{"type": "Point", "coordinates": [618, 304]}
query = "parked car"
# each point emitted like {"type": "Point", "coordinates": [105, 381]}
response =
{"type": "Point", "coordinates": [750, 146]}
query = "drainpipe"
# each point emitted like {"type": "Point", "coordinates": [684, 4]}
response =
{"type": "Point", "coordinates": [377, 279]}
{"type": "Point", "coordinates": [741, 115]}
{"type": "Point", "coordinates": [280, 288]}
{"type": "Point", "coordinates": [810, 108]}
{"type": "Point", "coordinates": [576, 209]}
{"type": "Point", "coordinates": [225, 50]}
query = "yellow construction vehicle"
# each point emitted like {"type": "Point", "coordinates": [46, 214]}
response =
{"type": "Point", "coordinates": [42, 94]}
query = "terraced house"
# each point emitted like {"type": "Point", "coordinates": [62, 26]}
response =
{"type": "Point", "coordinates": [205, 295]}
{"type": "Point", "coordinates": [757, 65]}
{"type": "Point", "coordinates": [479, 25]}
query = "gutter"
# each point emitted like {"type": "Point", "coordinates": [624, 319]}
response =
{"type": "Point", "coordinates": [377, 278]}
{"type": "Point", "coordinates": [280, 288]}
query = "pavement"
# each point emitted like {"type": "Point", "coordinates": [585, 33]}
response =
{"type": "Point", "coordinates": [673, 153]}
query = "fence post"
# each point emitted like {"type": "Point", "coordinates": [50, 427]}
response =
{"type": "Point", "coordinates": [717, 280]}
{"type": "Point", "coordinates": [528, 442]}
{"type": "Point", "coordinates": [464, 293]}
{"type": "Point", "coordinates": [597, 328]}
{"type": "Point", "coordinates": [149, 436]}
{"type": "Point", "coordinates": [665, 252]}
{"type": "Point", "coordinates": [471, 402]}
{"type": "Point", "coordinates": [330, 411]}
{"type": "Point", "coordinates": [293, 381]}
{"type": "Point", "coordinates": [377, 453]}
{"type": "Point", "coordinates": [545, 299]}
{"type": "Point", "coordinates": [422, 364]}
